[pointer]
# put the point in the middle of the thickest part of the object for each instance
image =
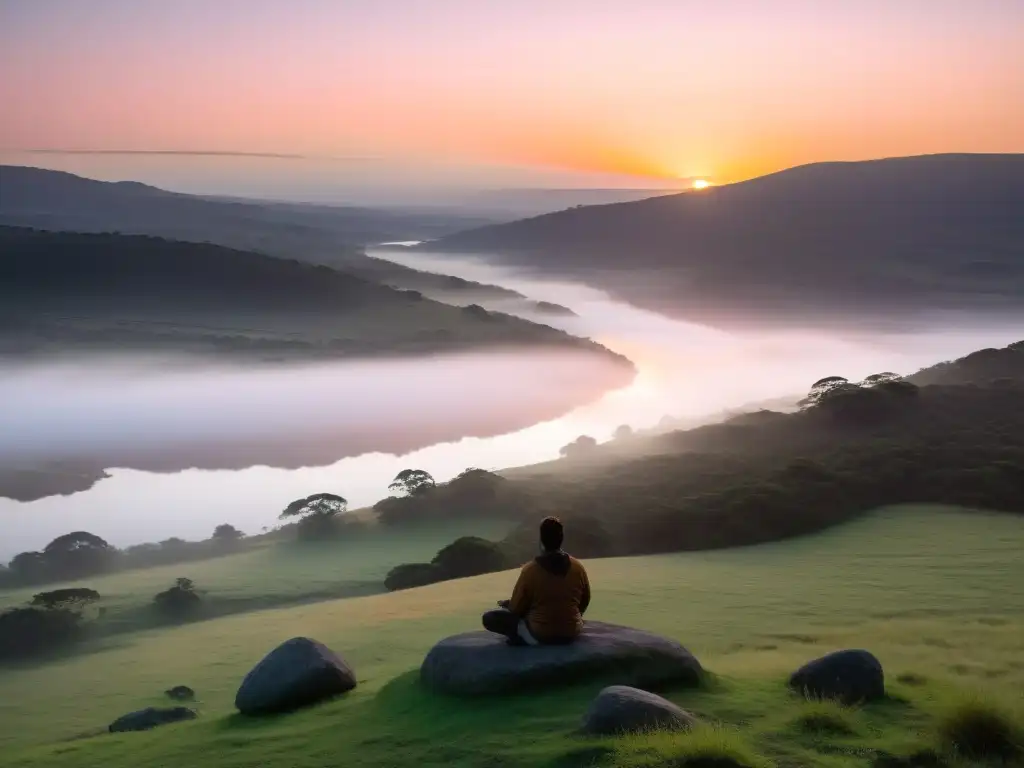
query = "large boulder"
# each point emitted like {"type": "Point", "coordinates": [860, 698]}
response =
{"type": "Point", "coordinates": [297, 673]}
{"type": "Point", "coordinates": [850, 676]}
{"type": "Point", "coordinates": [481, 663]}
{"type": "Point", "coordinates": [620, 709]}
{"type": "Point", "coordinates": [151, 717]}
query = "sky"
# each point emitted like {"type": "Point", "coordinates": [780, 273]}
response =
{"type": "Point", "coordinates": [532, 92]}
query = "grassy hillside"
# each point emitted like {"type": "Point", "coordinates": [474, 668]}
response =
{"type": "Point", "coordinates": [937, 595]}
{"type": "Point", "coordinates": [276, 573]}
{"type": "Point", "coordinates": [861, 241]}
{"type": "Point", "coordinates": [61, 290]}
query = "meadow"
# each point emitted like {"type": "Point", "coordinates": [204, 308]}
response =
{"type": "Point", "coordinates": [270, 573]}
{"type": "Point", "coordinates": [936, 594]}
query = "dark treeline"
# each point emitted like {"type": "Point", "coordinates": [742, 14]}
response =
{"type": "Point", "coordinates": [81, 554]}
{"type": "Point", "coordinates": [764, 476]}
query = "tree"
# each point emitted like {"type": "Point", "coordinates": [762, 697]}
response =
{"type": "Point", "coordinates": [581, 446]}
{"type": "Point", "coordinates": [226, 534]}
{"type": "Point", "coordinates": [78, 553]}
{"type": "Point", "coordinates": [623, 432]}
{"type": "Point", "coordinates": [823, 388]}
{"type": "Point", "coordinates": [180, 601]}
{"type": "Point", "coordinates": [29, 567]}
{"type": "Point", "coordinates": [881, 378]}
{"type": "Point", "coordinates": [412, 482]}
{"type": "Point", "coordinates": [319, 505]}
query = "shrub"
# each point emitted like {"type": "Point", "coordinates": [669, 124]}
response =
{"type": "Point", "coordinates": [980, 729]}
{"type": "Point", "coordinates": [825, 717]}
{"type": "Point", "coordinates": [411, 575]}
{"type": "Point", "coordinates": [180, 601]}
{"type": "Point", "coordinates": [72, 599]}
{"type": "Point", "coordinates": [469, 556]}
{"type": "Point", "coordinates": [28, 631]}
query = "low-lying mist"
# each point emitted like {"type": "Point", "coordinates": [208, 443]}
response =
{"type": "Point", "coordinates": [352, 426]}
{"type": "Point", "coordinates": [173, 414]}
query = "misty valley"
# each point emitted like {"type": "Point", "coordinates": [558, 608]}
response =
{"type": "Point", "coordinates": [237, 426]}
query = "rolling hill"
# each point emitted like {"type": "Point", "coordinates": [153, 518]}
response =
{"type": "Point", "coordinates": [65, 290]}
{"type": "Point", "coordinates": [859, 242]}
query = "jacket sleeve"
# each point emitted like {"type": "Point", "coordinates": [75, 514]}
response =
{"type": "Point", "coordinates": [521, 598]}
{"type": "Point", "coordinates": [585, 597]}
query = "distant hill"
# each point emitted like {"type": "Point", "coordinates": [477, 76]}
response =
{"type": "Point", "coordinates": [63, 291]}
{"type": "Point", "coordinates": [319, 234]}
{"type": "Point", "coordinates": [982, 367]}
{"type": "Point", "coordinates": [865, 240]}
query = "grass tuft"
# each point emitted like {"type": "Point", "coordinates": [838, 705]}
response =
{"type": "Point", "coordinates": [703, 746]}
{"type": "Point", "coordinates": [825, 716]}
{"type": "Point", "coordinates": [977, 728]}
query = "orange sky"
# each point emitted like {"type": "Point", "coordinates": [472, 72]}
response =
{"type": "Point", "coordinates": [658, 88]}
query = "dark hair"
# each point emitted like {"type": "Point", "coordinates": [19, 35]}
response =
{"type": "Point", "coordinates": [551, 533]}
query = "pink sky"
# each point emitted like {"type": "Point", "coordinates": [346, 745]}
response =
{"type": "Point", "coordinates": [655, 88]}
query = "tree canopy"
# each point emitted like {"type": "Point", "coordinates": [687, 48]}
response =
{"type": "Point", "coordinates": [318, 505]}
{"type": "Point", "coordinates": [412, 482]}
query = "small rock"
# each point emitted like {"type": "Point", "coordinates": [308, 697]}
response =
{"type": "Point", "coordinates": [619, 709]}
{"type": "Point", "coordinates": [180, 693]}
{"type": "Point", "coordinates": [151, 717]}
{"type": "Point", "coordinates": [297, 673]}
{"type": "Point", "coordinates": [850, 676]}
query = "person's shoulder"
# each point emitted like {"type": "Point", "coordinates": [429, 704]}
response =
{"type": "Point", "coordinates": [575, 564]}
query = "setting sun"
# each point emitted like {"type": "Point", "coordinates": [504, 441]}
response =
{"type": "Point", "coordinates": [701, 183]}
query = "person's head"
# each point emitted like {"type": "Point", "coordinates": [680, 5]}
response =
{"type": "Point", "coordinates": [551, 534]}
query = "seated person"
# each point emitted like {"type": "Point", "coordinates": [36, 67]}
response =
{"type": "Point", "coordinates": [549, 599]}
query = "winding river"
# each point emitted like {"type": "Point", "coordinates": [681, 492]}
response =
{"type": "Point", "coordinates": [684, 370]}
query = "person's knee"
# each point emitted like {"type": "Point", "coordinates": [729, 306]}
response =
{"type": "Point", "coordinates": [502, 622]}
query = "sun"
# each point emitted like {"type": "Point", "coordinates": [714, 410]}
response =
{"type": "Point", "coordinates": [701, 183]}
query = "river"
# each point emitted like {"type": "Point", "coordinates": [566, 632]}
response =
{"type": "Point", "coordinates": [684, 370]}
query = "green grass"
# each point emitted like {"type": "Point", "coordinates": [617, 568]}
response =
{"type": "Point", "coordinates": [937, 595]}
{"type": "Point", "coordinates": [273, 574]}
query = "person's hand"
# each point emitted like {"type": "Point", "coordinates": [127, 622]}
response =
{"type": "Point", "coordinates": [504, 604]}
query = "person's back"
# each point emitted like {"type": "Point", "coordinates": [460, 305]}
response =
{"type": "Point", "coordinates": [550, 596]}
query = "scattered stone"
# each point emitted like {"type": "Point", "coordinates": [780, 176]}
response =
{"type": "Point", "coordinates": [482, 663]}
{"type": "Point", "coordinates": [180, 693]}
{"type": "Point", "coordinates": [297, 673]}
{"type": "Point", "coordinates": [620, 709]}
{"type": "Point", "coordinates": [151, 717]}
{"type": "Point", "coordinates": [850, 676]}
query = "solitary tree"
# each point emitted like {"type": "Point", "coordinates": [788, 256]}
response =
{"type": "Point", "coordinates": [412, 482]}
{"type": "Point", "coordinates": [226, 533]}
{"type": "Point", "coordinates": [319, 505]}
{"type": "Point", "coordinates": [579, 447]}
{"type": "Point", "coordinates": [78, 553]}
{"type": "Point", "coordinates": [623, 432]}
{"type": "Point", "coordinates": [823, 388]}
{"type": "Point", "coordinates": [71, 599]}
{"type": "Point", "coordinates": [880, 378]}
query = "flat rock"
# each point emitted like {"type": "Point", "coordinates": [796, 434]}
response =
{"type": "Point", "coordinates": [481, 663]}
{"type": "Point", "coordinates": [849, 676]}
{"type": "Point", "coordinates": [621, 709]}
{"type": "Point", "coordinates": [297, 673]}
{"type": "Point", "coordinates": [180, 693]}
{"type": "Point", "coordinates": [151, 717]}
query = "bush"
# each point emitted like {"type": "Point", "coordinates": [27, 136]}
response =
{"type": "Point", "coordinates": [411, 575]}
{"type": "Point", "coordinates": [469, 556]}
{"type": "Point", "coordinates": [825, 717]}
{"type": "Point", "coordinates": [979, 729]}
{"type": "Point", "coordinates": [72, 599]}
{"type": "Point", "coordinates": [180, 601]}
{"type": "Point", "coordinates": [29, 631]}
{"type": "Point", "coordinates": [702, 747]}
